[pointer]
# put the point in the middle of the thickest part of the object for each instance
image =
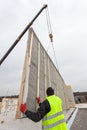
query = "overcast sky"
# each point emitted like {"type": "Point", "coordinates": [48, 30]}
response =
{"type": "Point", "coordinates": [69, 27]}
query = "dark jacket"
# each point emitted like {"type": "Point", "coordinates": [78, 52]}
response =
{"type": "Point", "coordinates": [43, 109]}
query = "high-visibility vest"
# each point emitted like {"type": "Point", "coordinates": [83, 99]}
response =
{"type": "Point", "coordinates": [54, 120]}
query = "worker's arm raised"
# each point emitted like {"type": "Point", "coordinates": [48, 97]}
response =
{"type": "Point", "coordinates": [39, 114]}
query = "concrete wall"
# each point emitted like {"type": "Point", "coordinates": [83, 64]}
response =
{"type": "Point", "coordinates": [39, 73]}
{"type": "Point", "coordinates": [70, 96]}
{"type": "Point", "coordinates": [8, 109]}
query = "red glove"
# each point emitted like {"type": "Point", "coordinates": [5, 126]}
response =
{"type": "Point", "coordinates": [23, 108]}
{"type": "Point", "coordinates": [38, 100]}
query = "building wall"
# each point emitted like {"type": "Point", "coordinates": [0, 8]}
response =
{"type": "Point", "coordinates": [8, 109]}
{"type": "Point", "coordinates": [80, 97]}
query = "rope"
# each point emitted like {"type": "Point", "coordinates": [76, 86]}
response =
{"type": "Point", "coordinates": [48, 47]}
{"type": "Point", "coordinates": [50, 34]}
{"type": "Point", "coordinates": [55, 55]}
{"type": "Point", "coordinates": [48, 21]}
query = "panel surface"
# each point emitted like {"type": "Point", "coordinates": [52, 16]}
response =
{"type": "Point", "coordinates": [40, 73]}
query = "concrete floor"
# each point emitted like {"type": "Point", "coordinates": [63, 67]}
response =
{"type": "Point", "coordinates": [80, 121]}
{"type": "Point", "coordinates": [76, 120]}
{"type": "Point", "coordinates": [25, 123]}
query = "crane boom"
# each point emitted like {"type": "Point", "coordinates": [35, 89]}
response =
{"type": "Point", "coordinates": [21, 35]}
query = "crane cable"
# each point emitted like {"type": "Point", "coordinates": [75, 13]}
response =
{"type": "Point", "coordinates": [50, 34]}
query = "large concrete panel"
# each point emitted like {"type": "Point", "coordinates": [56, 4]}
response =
{"type": "Point", "coordinates": [70, 96]}
{"type": "Point", "coordinates": [39, 73]}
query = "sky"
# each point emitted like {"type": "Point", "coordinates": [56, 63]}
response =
{"type": "Point", "coordinates": [68, 19]}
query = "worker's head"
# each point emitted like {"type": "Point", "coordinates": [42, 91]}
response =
{"type": "Point", "coordinates": [50, 91]}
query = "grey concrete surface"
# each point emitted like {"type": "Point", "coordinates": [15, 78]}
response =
{"type": "Point", "coordinates": [20, 124]}
{"type": "Point", "coordinates": [80, 121]}
{"type": "Point", "coordinates": [25, 123]}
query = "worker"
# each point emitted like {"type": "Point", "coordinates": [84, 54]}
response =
{"type": "Point", "coordinates": [50, 111]}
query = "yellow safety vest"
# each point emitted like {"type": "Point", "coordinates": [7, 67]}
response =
{"type": "Point", "coordinates": [54, 120]}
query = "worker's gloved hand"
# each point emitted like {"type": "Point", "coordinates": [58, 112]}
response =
{"type": "Point", "coordinates": [38, 100]}
{"type": "Point", "coordinates": [23, 107]}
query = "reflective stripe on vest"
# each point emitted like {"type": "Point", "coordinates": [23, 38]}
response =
{"type": "Point", "coordinates": [52, 116]}
{"type": "Point", "coordinates": [52, 125]}
{"type": "Point", "coordinates": [55, 118]}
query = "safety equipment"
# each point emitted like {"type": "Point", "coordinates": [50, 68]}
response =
{"type": "Point", "coordinates": [23, 108]}
{"type": "Point", "coordinates": [38, 100]}
{"type": "Point", "coordinates": [54, 120]}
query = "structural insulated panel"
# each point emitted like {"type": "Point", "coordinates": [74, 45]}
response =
{"type": "Point", "coordinates": [39, 73]}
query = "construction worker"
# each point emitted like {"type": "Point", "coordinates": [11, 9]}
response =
{"type": "Point", "coordinates": [50, 111]}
